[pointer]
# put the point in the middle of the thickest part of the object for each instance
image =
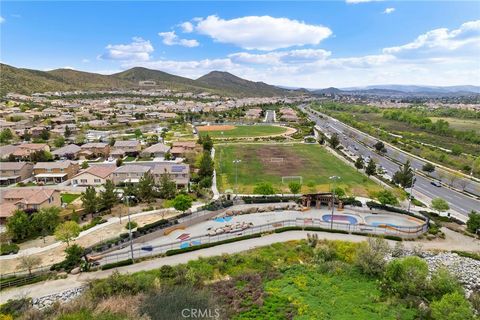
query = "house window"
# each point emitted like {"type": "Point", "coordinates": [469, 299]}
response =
{"type": "Point", "coordinates": [83, 180]}
{"type": "Point", "coordinates": [75, 181]}
{"type": "Point", "coordinates": [97, 180]}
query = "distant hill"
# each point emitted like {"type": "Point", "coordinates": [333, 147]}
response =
{"type": "Point", "coordinates": [231, 83]}
{"type": "Point", "coordinates": [28, 81]}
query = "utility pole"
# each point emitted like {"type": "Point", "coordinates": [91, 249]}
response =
{"type": "Point", "coordinates": [333, 178]}
{"type": "Point", "coordinates": [130, 230]}
{"type": "Point", "coordinates": [411, 189]}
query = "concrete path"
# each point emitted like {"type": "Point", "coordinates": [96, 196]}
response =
{"type": "Point", "coordinates": [453, 241]}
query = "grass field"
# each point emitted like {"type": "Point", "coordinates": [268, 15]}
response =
{"type": "Point", "coordinates": [245, 131]}
{"type": "Point", "coordinates": [268, 163]}
{"type": "Point", "coordinates": [461, 124]}
{"type": "Point", "coordinates": [69, 197]}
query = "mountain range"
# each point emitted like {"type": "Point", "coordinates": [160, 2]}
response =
{"type": "Point", "coordinates": [27, 81]}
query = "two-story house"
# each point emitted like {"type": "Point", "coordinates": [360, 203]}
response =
{"type": "Point", "coordinates": [13, 172]}
{"type": "Point", "coordinates": [178, 172]}
{"type": "Point", "coordinates": [94, 175]}
{"type": "Point", "coordinates": [130, 147]}
{"type": "Point", "coordinates": [94, 149]}
{"type": "Point", "coordinates": [55, 172]}
{"type": "Point", "coordinates": [129, 173]}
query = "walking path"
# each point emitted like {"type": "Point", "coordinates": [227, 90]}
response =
{"type": "Point", "coordinates": [453, 241]}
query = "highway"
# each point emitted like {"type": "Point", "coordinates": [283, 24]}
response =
{"type": "Point", "coordinates": [357, 142]}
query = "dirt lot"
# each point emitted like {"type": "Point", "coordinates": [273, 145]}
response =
{"type": "Point", "coordinates": [216, 128]}
{"type": "Point", "coordinates": [277, 161]}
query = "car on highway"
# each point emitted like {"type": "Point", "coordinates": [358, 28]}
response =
{"type": "Point", "coordinates": [436, 184]}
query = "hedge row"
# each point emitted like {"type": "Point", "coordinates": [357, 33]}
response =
{"type": "Point", "coordinates": [11, 248]}
{"type": "Point", "coordinates": [212, 244]}
{"type": "Point", "coordinates": [117, 264]}
{"type": "Point", "coordinates": [272, 199]}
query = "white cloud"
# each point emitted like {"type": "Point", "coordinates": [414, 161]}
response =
{"type": "Point", "coordinates": [442, 42]}
{"type": "Point", "coordinates": [262, 32]}
{"type": "Point", "coordinates": [2, 19]}
{"type": "Point", "coordinates": [361, 1]}
{"type": "Point", "coordinates": [138, 50]}
{"type": "Point", "coordinates": [171, 39]}
{"type": "Point", "coordinates": [280, 57]}
{"type": "Point", "coordinates": [187, 27]}
{"type": "Point", "coordinates": [389, 10]}
{"type": "Point", "coordinates": [85, 60]}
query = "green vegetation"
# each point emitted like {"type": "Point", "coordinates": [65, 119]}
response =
{"type": "Point", "coordinates": [246, 131]}
{"type": "Point", "coordinates": [69, 197]}
{"type": "Point", "coordinates": [473, 223]}
{"type": "Point", "coordinates": [309, 279]}
{"type": "Point", "coordinates": [269, 163]}
{"type": "Point", "coordinates": [22, 226]}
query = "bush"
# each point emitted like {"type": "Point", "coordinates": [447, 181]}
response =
{"type": "Point", "coordinates": [466, 254]}
{"type": "Point", "coordinates": [473, 223]}
{"type": "Point", "coordinates": [116, 284]}
{"type": "Point", "coordinates": [8, 248]}
{"type": "Point", "coordinates": [117, 264]}
{"type": "Point", "coordinates": [268, 199]}
{"type": "Point", "coordinates": [406, 277]}
{"type": "Point", "coordinates": [16, 307]}
{"type": "Point", "coordinates": [371, 256]}
{"type": "Point", "coordinates": [452, 306]}
{"type": "Point", "coordinates": [131, 225]}
{"type": "Point", "coordinates": [442, 282]}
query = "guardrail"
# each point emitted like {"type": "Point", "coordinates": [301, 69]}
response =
{"type": "Point", "coordinates": [405, 232]}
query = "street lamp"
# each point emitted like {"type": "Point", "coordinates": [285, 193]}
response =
{"type": "Point", "coordinates": [411, 189]}
{"type": "Point", "coordinates": [236, 162]}
{"type": "Point", "coordinates": [333, 179]}
{"type": "Point", "coordinates": [130, 229]}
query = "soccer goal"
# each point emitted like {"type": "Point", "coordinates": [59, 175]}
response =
{"type": "Point", "coordinates": [288, 179]}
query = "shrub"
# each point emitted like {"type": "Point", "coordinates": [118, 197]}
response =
{"type": "Point", "coordinates": [371, 256]}
{"type": "Point", "coordinates": [443, 282]}
{"type": "Point", "coordinates": [131, 225]}
{"type": "Point", "coordinates": [466, 254]}
{"type": "Point", "coordinates": [452, 306]}
{"type": "Point", "coordinates": [406, 277]}
{"type": "Point", "coordinates": [473, 223]}
{"type": "Point", "coordinates": [116, 284]}
{"type": "Point", "coordinates": [8, 248]}
{"type": "Point", "coordinates": [117, 264]}
{"type": "Point", "coordinates": [16, 307]}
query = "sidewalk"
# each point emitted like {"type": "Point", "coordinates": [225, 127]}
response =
{"type": "Point", "coordinates": [453, 241]}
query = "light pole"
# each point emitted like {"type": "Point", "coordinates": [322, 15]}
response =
{"type": "Point", "coordinates": [236, 161]}
{"type": "Point", "coordinates": [130, 229]}
{"type": "Point", "coordinates": [333, 178]}
{"type": "Point", "coordinates": [411, 189]}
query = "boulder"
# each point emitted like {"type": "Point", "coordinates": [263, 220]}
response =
{"type": "Point", "coordinates": [75, 270]}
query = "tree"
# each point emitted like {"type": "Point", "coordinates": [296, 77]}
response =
{"type": "Point", "coordinates": [406, 276]}
{"type": "Point", "coordinates": [111, 141]}
{"type": "Point", "coordinates": [108, 198]}
{"type": "Point", "coordinates": [473, 223]}
{"type": "Point", "coordinates": [46, 220]}
{"type": "Point", "coordinates": [371, 168]}
{"type": "Point", "coordinates": [89, 200]}
{"type": "Point", "coordinates": [146, 187]}
{"type": "Point", "coordinates": [138, 133]}
{"type": "Point", "coordinates": [19, 225]}
{"type": "Point", "coordinates": [26, 135]}
{"type": "Point", "coordinates": [463, 183]}
{"type": "Point", "coordinates": [387, 197]}
{"type": "Point", "coordinates": [339, 192]}
{"type": "Point", "coordinates": [84, 165]}
{"type": "Point", "coordinates": [182, 202]}
{"type": "Point", "coordinates": [404, 176]}
{"type": "Point", "coordinates": [74, 254]}
{"type": "Point", "coordinates": [359, 163]}
{"type": "Point", "coordinates": [380, 146]}
{"type": "Point", "coordinates": [41, 156]}
{"type": "Point", "coordinates": [168, 187]}
{"type": "Point", "coordinates": [334, 141]}
{"type": "Point", "coordinates": [452, 178]}
{"type": "Point", "coordinates": [152, 139]}
{"type": "Point", "coordinates": [206, 165]}
{"type": "Point", "coordinates": [457, 150]}
{"type": "Point", "coordinates": [207, 143]}
{"type": "Point", "coordinates": [264, 188]}
{"type": "Point", "coordinates": [440, 205]}
{"type": "Point", "coordinates": [119, 162]}
{"type": "Point", "coordinates": [295, 187]}
{"type": "Point", "coordinates": [68, 131]}
{"type": "Point", "coordinates": [168, 156]}
{"type": "Point", "coordinates": [67, 231]}
{"type": "Point", "coordinates": [6, 135]}
{"type": "Point", "coordinates": [452, 306]}
{"type": "Point", "coordinates": [45, 134]}
{"type": "Point", "coordinates": [370, 256]}
{"type": "Point", "coordinates": [59, 142]}
{"type": "Point", "coordinates": [428, 167]}
{"type": "Point", "coordinates": [443, 282]}
{"type": "Point", "coordinates": [29, 262]}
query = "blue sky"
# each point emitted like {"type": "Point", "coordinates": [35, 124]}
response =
{"type": "Point", "coordinates": [309, 44]}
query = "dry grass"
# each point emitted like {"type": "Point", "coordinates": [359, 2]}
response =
{"type": "Point", "coordinates": [216, 128]}
{"type": "Point", "coordinates": [122, 306]}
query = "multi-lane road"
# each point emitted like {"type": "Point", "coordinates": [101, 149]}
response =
{"type": "Point", "coordinates": [361, 144]}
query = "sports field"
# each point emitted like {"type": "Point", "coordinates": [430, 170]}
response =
{"type": "Point", "coordinates": [271, 162]}
{"type": "Point", "coordinates": [240, 131]}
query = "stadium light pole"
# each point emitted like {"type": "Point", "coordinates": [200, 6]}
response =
{"type": "Point", "coordinates": [333, 179]}
{"type": "Point", "coordinates": [236, 162]}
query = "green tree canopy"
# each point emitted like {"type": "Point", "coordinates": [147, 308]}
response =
{"type": "Point", "coordinates": [387, 197]}
{"type": "Point", "coordinates": [146, 187]}
{"type": "Point", "coordinates": [19, 225]}
{"type": "Point", "coordinates": [359, 163]}
{"type": "Point", "coordinates": [295, 187]}
{"type": "Point", "coordinates": [108, 198]}
{"type": "Point", "coordinates": [182, 202]}
{"type": "Point", "coordinates": [473, 223]}
{"type": "Point", "coordinates": [371, 168]}
{"type": "Point", "coordinates": [89, 200]}
{"type": "Point", "coordinates": [167, 188]}
{"type": "Point", "coordinates": [264, 188]}
{"type": "Point", "coordinates": [46, 220]}
{"type": "Point", "coordinates": [452, 306]}
{"type": "Point", "coordinates": [406, 276]}
{"type": "Point", "coordinates": [440, 205]}
{"type": "Point", "coordinates": [67, 231]}
{"type": "Point", "coordinates": [404, 176]}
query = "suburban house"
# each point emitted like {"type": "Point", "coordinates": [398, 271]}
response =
{"type": "Point", "coordinates": [27, 199]}
{"type": "Point", "coordinates": [55, 172]}
{"type": "Point", "coordinates": [95, 175]}
{"type": "Point", "coordinates": [23, 151]}
{"type": "Point", "coordinates": [94, 149]}
{"type": "Point", "coordinates": [179, 173]}
{"type": "Point", "coordinates": [157, 150]}
{"type": "Point", "coordinates": [13, 172]}
{"type": "Point", "coordinates": [180, 148]}
{"type": "Point", "coordinates": [129, 173]}
{"type": "Point", "coordinates": [131, 147]}
{"type": "Point", "coordinates": [253, 113]}
{"type": "Point", "coordinates": [69, 151]}
{"type": "Point", "coordinates": [117, 153]}
{"type": "Point", "coordinates": [288, 114]}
